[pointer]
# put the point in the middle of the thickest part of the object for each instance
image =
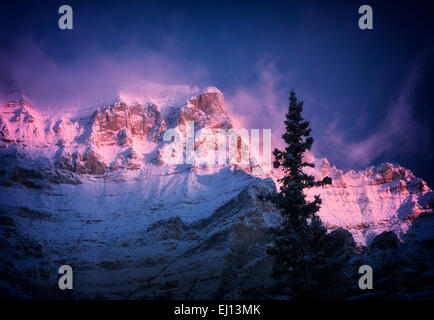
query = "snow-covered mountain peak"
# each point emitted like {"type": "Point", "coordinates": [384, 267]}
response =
{"type": "Point", "coordinates": [90, 186]}
{"type": "Point", "coordinates": [123, 139]}
{"type": "Point", "coordinates": [125, 132]}
{"type": "Point", "coordinates": [159, 94]}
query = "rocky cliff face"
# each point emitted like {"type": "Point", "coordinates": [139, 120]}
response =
{"type": "Point", "coordinates": [115, 136]}
{"type": "Point", "coordinates": [91, 189]}
{"type": "Point", "coordinates": [368, 202]}
{"type": "Point", "coordinates": [118, 124]}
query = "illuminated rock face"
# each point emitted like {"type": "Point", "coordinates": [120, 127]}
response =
{"type": "Point", "coordinates": [368, 202]}
{"type": "Point", "coordinates": [118, 124]}
{"type": "Point", "coordinates": [114, 136]}
{"type": "Point", "coordinates": [90, 189]}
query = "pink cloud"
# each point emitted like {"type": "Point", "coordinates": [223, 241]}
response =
{"type": "Point", "coordinates": [399, 132]}
{"type": "Point", "coordinates": [91, 77]}
{"type": "Point", "coordinates": [261, 105]}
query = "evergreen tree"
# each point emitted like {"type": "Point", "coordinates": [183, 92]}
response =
{"type": "Point", "coordinates": [291, 198]}
{"type": "Point", "coordinates": [306, 262]}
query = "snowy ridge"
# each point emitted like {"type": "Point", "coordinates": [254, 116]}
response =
{"type": "Point", "coordinates": [126, 134]}
{"type": "Point", "coordinates": [91, 187]}
{"type": "Point", "coordinates": [380, 198]}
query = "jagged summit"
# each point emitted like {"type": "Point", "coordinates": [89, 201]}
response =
{"type": "Point", "coordinates": [161, 95]}
{"type": "Point", "coordinates": [128, 125]}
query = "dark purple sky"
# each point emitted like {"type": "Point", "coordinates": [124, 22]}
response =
{"type": "Point", "coordinates": [368, 94]}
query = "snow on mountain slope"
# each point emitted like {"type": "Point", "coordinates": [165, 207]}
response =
{"type": "Point", "coordinates": [92, 189]}
{"type": "Point", "coordinates": [127, 134]}
{"type": "Point", "coordinates": [128, 230]}
{"type": "Point", "coordinates": [368, 202]}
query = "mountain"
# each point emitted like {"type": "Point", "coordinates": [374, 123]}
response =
{"type": "Point", "coordinates": [386, 197]}
{"type": "Point", "coordinates": [94, 189]}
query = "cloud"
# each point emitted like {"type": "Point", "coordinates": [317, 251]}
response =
{"type": "Point", "coordinates": [93, 75]}
{"type": "Point", "coordinates": [262, 105]}
{"type": "Point", "coordinates": [400, 132]}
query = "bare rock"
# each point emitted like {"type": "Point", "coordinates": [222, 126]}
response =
{"type": "Point", "coordinates": [385, 240]}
